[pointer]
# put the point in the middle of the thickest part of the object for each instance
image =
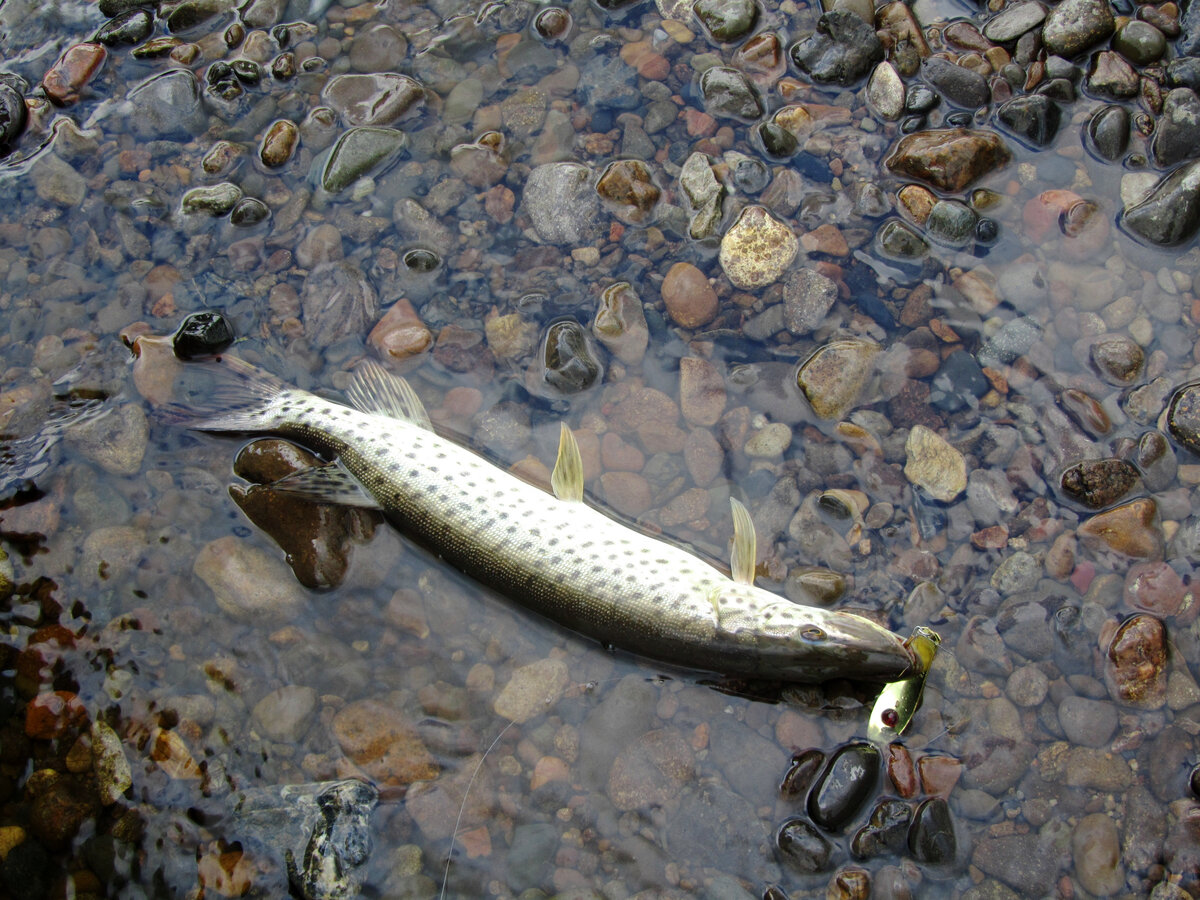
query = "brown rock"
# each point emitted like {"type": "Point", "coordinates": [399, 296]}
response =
{"type": "Point", "coordinates": [400, 334]}
{"type": "Point", "coordinates": [1131, 529]}
{"type": "Point", "coordinates": [825, 239]}
{"type": "Point", "coordinates": [900, 770]}
{"type": "Point", "coordinates": [1135, 663]}
{"type": "Point", "coordinates": [380, 740]}
{"type": "Point", "coordinates": [628, 191]}
{"type": "Point", "coordinates": [60, 805]}
{"type": "Point", "coordinates": [279, 143]}
{"type": "Point", "coordinates": [74, 69]}
{"type": "Point", "coordinates": [833, 377]}
{"type": "Point", "coordinates": [617, 455]}
{"type": "Point", "coordinates": [1154, 587]}
{"type": "Point", "coordinates": [628, 493]}
{"type": "Point", "coordinates": [643, 406]}
{"type": "Point", "coordinates": [939, 774]}
{"type": "Point", "coordinates": [690, 300]}
{"type": "Point", "coordinates": [703, 456]}
{"type": "Point", "coordinates": [53, 714]}
{"type": "Point", "coordinates": [949, 159]}
{"type": "Point", "coordinates": [1097, 483]}
{"type": "Point", "coordinates": [620, 323]}
{"type": "Point", "coordinates": [532, 690]}
{"type": "Point", "coordinates": [690, 506]}
{"type": "Point", "coordinates": [651, 771]}
{"type": "Point", "coordinates": [701, 391]}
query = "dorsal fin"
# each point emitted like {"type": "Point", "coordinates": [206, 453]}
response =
{"type": "Point", "coordinates": [373, 389]}
{"type": "Point", "coordinates": [744, 544]}
{"type": "Point", "coordinates": [567, 478]}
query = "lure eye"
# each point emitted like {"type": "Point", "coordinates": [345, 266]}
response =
{"type": "Point", "coordinates": [812, 633]}
{"type": "Point", "coordinates": [890, 717]}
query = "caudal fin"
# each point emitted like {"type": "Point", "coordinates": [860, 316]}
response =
{"type": "Point", "coordinates": [235, 396]}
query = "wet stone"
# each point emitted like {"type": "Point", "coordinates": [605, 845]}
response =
{"type": "Point", "coordinates": [246, 583]}
{"type": "Point", "coordinates": [610, 83]}
{"type": "Point", "coordinates": [358, 152]}
{"type": "Point", "coordinates": [561, 203]}
{"type": "Point", "coordinates": [381, 740]}
{"type": "Point", "coordinates": [885, 92]}
{"type": "Point", "coordinates": [1135, 663]}
{"type": "Point", "coordinates": [1013, 21]}
{"type": "Point", "coordinates": [213, 200]}
{"type": "Point", "coordinates": [1108, 132]}
{"type": "Point", "coordinates": [1140, 42]}
{"type": "Point", "coordinates": [248, 212]}
{"type": "Point", "coordinates": [726, 21]}
{"type": "Point", "coordinates": [1033, 118]}
{"type": "Point", "coordinates": [373, 99]}
{"type": "Point", "coordinates": [757, 249]}
{"type": "Point", "coordinates": [963, 87]}
{"type": "Point", "coordinates": [1177, 136]}
{"type": "Point", "coordinates": [801, 847]}
{"type": "Point", "coordinates": [690, 300]}
{"type": "Point", "coordinates": [567, 361]}
{"type": "Point", "coordinates": [1087, 722]}
{"type": "Point", "coordinates": [64, 81]}
{"type": "Point", "coordinates": [12, 116]}
{"type": "Point", "coordinates": [1014, 339]}
{"type": "Point", "coordinates": [620, 323]}
{"type": "Point", "coordinates": [847, 782]}
{"type": "Point", "coordinates": [843, 50]}
{"type": "Point", "coordinates": [951, 223]}
{"type": "Point", "coordinates": [948, 159]}
{"type": "Point", "coordinates": [1183, 417]}
{"type": "Point", "coordinates": [704, 193]}
{"type": "Point", "coordinates": [202, 334]}
{"type": "Point", "coordinates": [651, 771]}
{"type": "Point", "coordinates": [532, 690]}
{"type": "Point", "coordinates": [279, 143]}
{"type": "Point", "coordinates": [1025, 862]}
{"type": "Point", "coordinates": [482, 163]}
{"type": "Point", "coordinates": [1075, 25]}
{"type": "Point", "coordinates": [378, 48]}
{"type": "Point", "coordinates": [886, 831]}
{"type": "Point", "coordinates": [898, 241]}
{"type": "Point", "coordinates": [931, 838]}
{"type": "Point", "coordinates": [801, 772]}
{"type": "Point", "coordinates": [1109, 75]}
{"type": "Point", "coordinates": [129, 28]}
{"type": "Point", "coordinates": [727, 92]}
{"type": "Point", "coordinates": [1097, 483]}
{"type": "Point", "coordinates": [1096, 852]}
{"type": "Point", "coordinates": [191, 14]}
{"type": "Point", "coordinates": [807, 298]}
{"type": "Point", "coordinates": [285, 714]}
{"type": "Point", "coordinates": [337, 300]}
{"type": "Point", "coordinates": [833, 378]}
{"type": "Point", "coordinates": [628, 191]}
{"type": "Point", "coordinates": [1131, 529]}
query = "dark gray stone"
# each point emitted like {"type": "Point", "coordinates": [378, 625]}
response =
{"type": "Point", "coordinates": [1177, 136]}
{"type": "Point", "coordinates": [1170, 214]}
{"type": "Point", "coordinates": [961, 86]}
{"type": "Point", "coordinates": [1033, 118]}
{"type": "Point", "coordinates": [1108, 132]}
{"type": "Point", "coordinates": [729, 93]}
{"type": "Point", "coordinates": [1014, 20]}
{"type": "Point", "coordinates": [562, 203]}
{"type": "Point", "coordinates": [166, 106]}
{"type": "Point", "coordinates": [843, 50]}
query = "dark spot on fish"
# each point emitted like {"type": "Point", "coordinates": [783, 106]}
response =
{"type": "Point", "coordinates": [413, 473]}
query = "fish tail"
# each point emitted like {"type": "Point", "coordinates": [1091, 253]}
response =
{"type": "Point", "coordinates": [237, 396]}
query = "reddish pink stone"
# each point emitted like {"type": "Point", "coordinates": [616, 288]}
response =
{"type": "Point", "coordinates": [74, 69]}
{"type": "Point", "coordinates": [1154, 587]}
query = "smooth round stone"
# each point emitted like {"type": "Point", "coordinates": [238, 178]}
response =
{"type": "Point", "coordinates": [961, 86]}
{"type": "Point", "coordinates": [129, 28]}
{"type": "Point", "coordinates": [532, 690]}
{"type": "Point", "coordinates": [1096, 852]}
{"type": "Point", "coordinates": [842, 51]}
{"type": "Point", "coordinates": [833, 378]}
{"type": "Point", "coordinates": [64, 81]}
{"type": "Point", "coordinates": [378, 48]}
{"type": "Point", "coordinates": [1154, 587]}
{"type": "Point", "coordinates": [726, 21]}
{"type": "Point", "coordinates": [1075, 25]}
{"type": "Point", "coordinates": [931, 839]}
{"type": "Point", "coordinates": [193, 13]}
{"type": "Point", "coordinates": [728, 93]}
{"type": "Point", "coordinates": [847, 782]}
{"type": "Point", "coordinates": [568, 364]}
{"type": "Point", "coordinates": [1087, 722]}
{"type": "Point", "coordinates": [248, 584]}
{"type": "Point", "coordinates": [628, 191]}
{"type": "Point", "coordinates": [552, 23]}
{"type": "Point", "coordinates": [1139, 42]}
{"type": "Point", "coordinates": [1118, 360]}
{"type": "Point", "coordinates": [373, 99]}
{"type": "Point", "coordinates": [1135, 663]}
{"type": "Point", "coordinates": [285, 714]}
{"type": "Point", "coordinates": [214, 199]}
{"type": "Point", "coordinates": [358, 152]}
{"type": "Point", "coordinates": [777, 140]}
{"type": "Point", "coordinates": [249, 211]}
{"type": "Point", "coordinates": [1131, 529]}
{"type": "Point", "coordinates": [690, 300]}
{"type": "Point", "coordinates": [1034, 118]}
{"type": "Point", "coordinates": [1013, 21]}
{"type": "Point", "coordinates": [1108, 132]}
{"type": "Point", "coordinates": [757, 249]}
{"type": "Point", "coordinates": [886, 831]}
{"type": "Point", "coordinates": [12, 116]}
{"type": "Point", "coordinates": [951, 222]}
{"type": "Point", "coordinates": [898, 241]}
{"type": "Point", "coordinates": [802, 847]}
{"type": "Point", "coordinates": [885, 92]}
{"type": "Point", "coordinates": [279, 143]}
{"type": "Point", "coordinates": [801, 771]}
{"type": "Point", "coordinates": [1156, 461]}
{"type": "Point", "coordinates": [1097, 483]}
{"type": "Point", "coordinates": [1183, 417]}
{"type": "Point", "coordinates": [920, 99]}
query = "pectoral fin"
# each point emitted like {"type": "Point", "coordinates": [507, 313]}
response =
{"type": "Point", "coordinates": [326, 484]}
{"type": "Point", "coordinates": [744, 544]}
{"type": "Point", "coordinates": [567, 478]}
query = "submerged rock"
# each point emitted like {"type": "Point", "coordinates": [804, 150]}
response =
{"type": "Point", "coordinates": [628, 191]}
{"type": "Point", "coordinates": [562, 204]}
{"type": "Point", "coordinates": [833, 378]}
{"type": "Point", "coordinates": [1075, 25]}
{"type": "Point", "coordinates": [1135, 663]}
{"type": "Point", "coordinates": [1098, 483]}
{"type": "Point", "coordinates": [620, 323]}
{"type": "Point", "coordinates": [842, 51]}
{"type": "Point", "coordinates": [727, 92]}
{"type": "Point", "coordinates": [757, 248]}
{"type": "Point", "coordinates": [1183, 417]}
{"type": "Point", "coordinates": [567, 363]}
{"type": "Point", "coordinates": [379, 99]}
{"type": "Point", "coordinates": [358, 152]}
{"type": "Point", "coordinates": [949, 159]}
{"type": "Point", "coordinates": [842, 789]}
{"type": "Point", "coordinates": [802, 847]}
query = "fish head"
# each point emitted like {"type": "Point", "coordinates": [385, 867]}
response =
{"type": "Point", "coordinates": [811, 644]}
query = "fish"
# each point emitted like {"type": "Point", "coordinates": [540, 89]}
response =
{"type": "Point", "coordinates": [553, 554]}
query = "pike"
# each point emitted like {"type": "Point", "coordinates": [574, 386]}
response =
{"type": "Point", "coordinates": [553, 554]}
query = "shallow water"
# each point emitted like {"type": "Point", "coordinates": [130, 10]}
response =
{"type": "Point", "coordinates": [132, 564]}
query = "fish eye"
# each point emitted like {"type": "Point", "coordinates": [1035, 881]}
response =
{"type": "Point", "coordinates": [812, 633]}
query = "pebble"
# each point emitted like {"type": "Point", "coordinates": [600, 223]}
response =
{"type": "Point", "coordinates": [628, 493]}
{"type": "Point", "coordinates": [886, 831]}
{"type": "Point", "coordinates": [56, 181]}
{"type": "Point", "coordinates": [701, 391]}
{"type": "Point", "coordinates": [66, 79]}
{"type": "Point", "coordinates": [1027, 686]}
{"type": "Point", "coordinates": [1014, 20]}
{"type": "Point", "coordinates": [728, 93]}
{"type": "Point", "coordinates": [1108, 132]}
{"type": "Point", "coordinates": [1131, 529]}
{"type": "Point", "coordinates": [1025, 862]}
{"type": "Point", "coordinates": [807, 298]}
{"type": "Point", "coordinates": [963, 87]}
{"type": "Point", "coordinates": [1156, 588]}
{"type": "Point", "coordinates": [1086, 722]}
{"type": "Point", "coordinates": [567, 362]}
{"type": "Point", "coordinates": [1097, 483]}
{"type": "Point", "coordinates": [1118, 360]}
{"type": "Point", "coordinates": [562, 204]}
{"type": "Point", "coordinates": [400, 333]}
{"type": "Point", "coordinates": [1096, 853]}
{"type": "Point", "coordinates": [931, 838]}
{"type": "Point", "coordinates": [802, 847]}
{"type": "Point", "coordinates": [948, 159]}
{"type": "Point", "coordinates": [690, 300]}
{"type": "Point", "coordinates": [726, 21]}
{"type": "Point", "coordinates": [1135, 663]}
{"type": "Point", "coordinates": [116, 442]}
{"type": "Point", "coordinates": [279, 143]}
{"type": "Point", "coordinates": [934, 465]}
{"type": "Point", "coordinates": [1073, 26]}
{"type": "Point", "coordinates": [885, 92]}
{"type": "Point", "coordinates": [844, 786]}
{"type": "Point", "coordinates": [1110, 76]}
{"type": "Point", "coordinates": [1183, 417]}
{"type": "Point", "coordinates": [703, 193]}
{"type": "Point", "coordinates": [651, 771]}
{"type": "Point", "coordinates": [378, 48]}
{"type": "Point", "coordinates": [532, 690]}
{"type": "Point", "coordinates": [109, 763]}
{"type": "Point", "coordinates": [248, 584]}
{"type": "Point", "coordinates": [757, 249]}
{"type": "Point", "coordinates": [166, 105]}
{"type": "Point", "coordinates": [380, 739]}
{"type": "Point", "coordinates": [1033, 118]}
{"type": "Point", "coordinates": [285, 714]}
{"type": "Point", "coordinates": [1140, 42]}
{"type": "Point", "coordinates": [842, 51]}
{"type": "Point", "coordinates": [834, 377]}
{"type": "Point", "coordinates": [628, 191]}
{"type": "Point", "coordinates": [337, 300]}
{"type": "Point", "coordinates": [620, 323]}
{"type": "Point", "coordinates": [358, 152]}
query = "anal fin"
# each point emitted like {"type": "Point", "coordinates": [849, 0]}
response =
{"type": "Point", "coordinates": [326, 484]}
{"type": "Point", "coordinates": [567, 478]}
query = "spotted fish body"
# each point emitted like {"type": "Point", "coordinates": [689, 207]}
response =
{"type": "Point", "coordinates": [554, 555]}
